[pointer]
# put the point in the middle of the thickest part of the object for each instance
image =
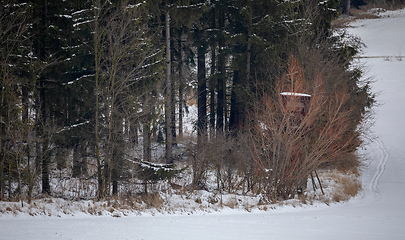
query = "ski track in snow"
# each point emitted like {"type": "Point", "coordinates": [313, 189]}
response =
{"type": "Point", "coordinates": [381, 165]}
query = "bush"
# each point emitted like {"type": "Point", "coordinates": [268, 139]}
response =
{"type": "Point", "coordinates": [292, 137]}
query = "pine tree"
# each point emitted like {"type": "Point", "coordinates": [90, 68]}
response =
{"type": "Point", "coordinates": [50, 46]}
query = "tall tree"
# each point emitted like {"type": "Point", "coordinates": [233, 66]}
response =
{"type": "Point", "coordinates": [14, 35]}
{"type": "Point", "coordinates": [221, 79]}
{"type": "Point", "coordinates": [168, 87]}
{"type": "Point", "coordinates": [201, 92]}
{"type": "Point", "coordinates": [49, 46]}
{"type": "Point", "coordinates": [123, 54]}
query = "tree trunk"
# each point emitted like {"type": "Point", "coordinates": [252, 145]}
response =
{"type": "Point", "coordinates": [147, 155]}
{"type": "Point", "coordinates": [234, 117]}
{"type": "Point", "coordinates": [97, 61]}
{"type": "Point", "coordinates": [76, 171]}
{"type": "Point", "coordinates": [202, 96]}
{"type": "Point", "coordinates": [46, 159]}
{"type": "Point", "coordinates": [117, 145]}
{"type": "Point", "coordinates": [168, 105]}
{"type": "Point", "coordinates": [249, 46]}
{"type": "Point", "coordinates": [2, 183]}
{"type": "Point", "coordinates": [133, 131]}
{"type": "Point", "coordinates": [212, 80]}
{"type": "Point", "coordinates": [240, 85]}
{"type": "Point", "coordinates": [173, 112]}
{"type": "Point", "coordinates": [84, 154]}
{"type": "Point", "coordinates": [44, 141]}
{"type": "Point", "coordinates": [181, 86]}
{"type": "Point", "coordinates": [221, 77]}
{"type": "Point", "coordinates": [114, 178]}
{"type": "Point", "coordinates": [346, 7]}
{"type": "Point", "coordinates": [212, 93]}
{"type": "Point", "coordinates": [181, 102]}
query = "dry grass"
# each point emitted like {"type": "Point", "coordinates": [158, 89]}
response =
{"type": "Point", "coordinates": [355, 14]}
{"type": "Point", "coordinates": [339, 186]}
{"type": "Point", "coordinates": [347, 185]}
{"type": "Point", "coordinates": [153, 200]}
{"type": "Point", "coordinates": [384, 4]}
{"type": "Point", "coordinates": [347, 163]}
{"type": "Point", "coordinates": [350, 188]}
{"type": "Point", "coordinates": [369, 11]}
{"type": "Point", "coordinates": [231, 203]}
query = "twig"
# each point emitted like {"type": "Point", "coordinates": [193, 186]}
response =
{"type": "Point", "coordinates": [320, 184]}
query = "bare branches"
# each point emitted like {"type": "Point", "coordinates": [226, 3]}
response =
{"type": "Point", "coordinates": [123, 55]}
{"type": "Point", "coordinates": [295, 132]}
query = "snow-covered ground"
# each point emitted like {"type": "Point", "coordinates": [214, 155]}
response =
{"type": "Point", "coordinates": [376, 213]}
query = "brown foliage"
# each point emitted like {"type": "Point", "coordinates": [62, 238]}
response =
{"type": "Point", "coordinates": [292, 137]}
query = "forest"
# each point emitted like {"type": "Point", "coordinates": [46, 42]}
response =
{"type": "Point", "coordinates": [94, 95]}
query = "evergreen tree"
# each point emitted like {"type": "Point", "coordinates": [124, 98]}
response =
{"type": "Point", "coordinates": [50, 45]}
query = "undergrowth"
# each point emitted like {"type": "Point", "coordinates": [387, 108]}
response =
{"type": "Point", "coordinates": [338, 186]}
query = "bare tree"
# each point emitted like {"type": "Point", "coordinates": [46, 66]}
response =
{"type": "Point", "coordinates": [292, 138]}
{"type": "Point", "coordinates": [14, 122]}
{"type": "Point", "coordinates": [122, 51]}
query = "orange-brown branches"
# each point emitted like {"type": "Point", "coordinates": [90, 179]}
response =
{"type": "Point", "coordinates": [299, 128]}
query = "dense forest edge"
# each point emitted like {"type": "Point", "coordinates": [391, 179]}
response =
{"type": "Point", "coordinates": [96, 99]}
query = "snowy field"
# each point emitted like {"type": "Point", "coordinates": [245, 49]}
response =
{"type": "Point", "coordinates": [378, 212]}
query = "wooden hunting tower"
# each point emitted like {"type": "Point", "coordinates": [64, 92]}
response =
{"type": "Point", "coordinates": [298, 104]}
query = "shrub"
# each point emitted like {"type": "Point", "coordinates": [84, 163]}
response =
{"type": "Point", "coordinates": [292, 137]}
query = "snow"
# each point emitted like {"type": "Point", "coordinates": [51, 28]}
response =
{"type": "Point", "coordinates": [295, 94]}
{"type": "Point", "coordinates": [79, 78]}
{"type": "Point", "coordinates": [80, 23]}
{"type": "Point", "coordinates": [378, 212]}
{"type": "Point", "coordinates": [73, 126]}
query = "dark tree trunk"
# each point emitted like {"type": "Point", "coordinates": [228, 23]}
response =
{"type": "Point", "coordinates": [202, 96]}
{"type": "Point", "coordinates": [133, 132]}
{"type": "Point", "coordinates": [240, 85]}
{"type": "Point", "coordinates": [234, 118]}
{"type": "Point", "coordinates": [46, 155]}
{"type": "Point", "coordinates": [181, 102]}
{"type": "Point", "coordinates": [220, 101]}
{"type": "Point", "coordinates": [346, 7]}
{"type": "Point", "coordinates": [115, 176]}
{"type": "Point", "coordinates": [212, 81]}
{"type": "Point", "coordinates": [221, 77]}
{"type": "Point", "coordinates": [46, 188]}
{"type": "Point", "coordinates": [168, 105]}
{"type": "Point", "coordinates": [2, 157]}
{"type": "Point", "coordinates": [118, 147]}
{"type": "Point", "coordinates": [212, 93]}
{"type": "Point", "coordinates": [147, 155]}
{"type": "Point", "coordinates": [76, 171]}
{"type": "Point", "coordinates": [84, 155]}
{"type": "Point", "coordinates": [173, 112]}
{"type": "Point", "coordinates": [181, 85]}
